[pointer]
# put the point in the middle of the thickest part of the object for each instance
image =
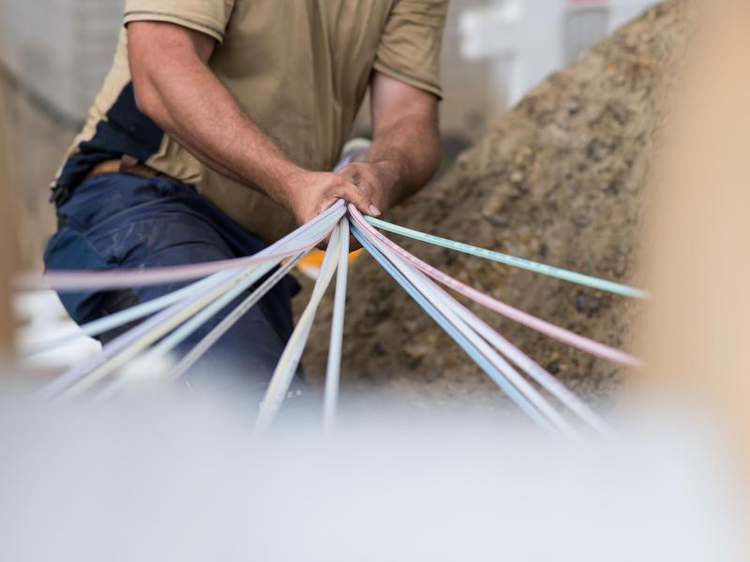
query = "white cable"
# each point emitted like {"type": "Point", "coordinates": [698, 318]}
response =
{"type": "Point", "coordinates": [550, 383]}
{"type": "Point", "coordinates": [312, 232]}
{"type": "Point", "coordinates": [284, 372]}
{"type": "Point", "coordinates": [165, 346]}
{"type": "Point", "coordinates": [112, 321]}
{"type": "Point", "coordinates": [162, 328]}
{"type": "Point", "coordinates": [333, 368]}
{"type": "Point", "coordinates": [533, 369]}
{"type": "Point", "coordinates": [446, 305]}
{"type": "Point", "coordinates": [158, 352]}
{"type": "Point", "coordinates": [121, 343]}
{"type": "Point", "coordinates": [128, 278]}
{"type": "Point", "coordinates": [230, 320]}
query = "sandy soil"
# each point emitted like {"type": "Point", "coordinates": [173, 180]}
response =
{"type": "Point", "coordinates": [561, 179]}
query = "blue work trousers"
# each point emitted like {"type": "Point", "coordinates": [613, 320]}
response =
{"type": "Point", "coordinates": [119, 221]}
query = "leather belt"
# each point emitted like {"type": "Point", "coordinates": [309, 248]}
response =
{"type": "Point", "coordinates": [125, 165]}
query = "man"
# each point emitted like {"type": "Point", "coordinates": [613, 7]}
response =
{"type": "Point", "coordinates": [214, 135]}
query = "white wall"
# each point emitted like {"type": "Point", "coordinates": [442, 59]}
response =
{"type": "Point", "coordinates": [60, 49]}
{"type": "Point", "coordinates": [526, 40]}
{"type": "Point", "coordinates": [471, 100]}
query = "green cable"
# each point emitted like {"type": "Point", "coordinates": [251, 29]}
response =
{"type": "Point", "coordinates": [551, 271]}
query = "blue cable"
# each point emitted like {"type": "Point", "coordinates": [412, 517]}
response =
{"type": "Point", "coordinates": [459, 338]}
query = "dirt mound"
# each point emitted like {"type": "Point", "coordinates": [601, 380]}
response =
{"type": "Point", "coordinates": [559, 179]}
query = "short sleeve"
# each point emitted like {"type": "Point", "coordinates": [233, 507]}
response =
{"type": "Point", "coordinates": [409, 48]}
{"type": "Point", "coordinates": [207, 16]}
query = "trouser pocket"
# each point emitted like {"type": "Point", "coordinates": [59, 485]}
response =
{"type": "Point", "coordinates": [68, 249]}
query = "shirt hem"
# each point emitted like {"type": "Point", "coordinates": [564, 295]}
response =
{"type": "Point", "coordinates": [147, 15]}
{"type": "Point", "coordinates": [411, 80]}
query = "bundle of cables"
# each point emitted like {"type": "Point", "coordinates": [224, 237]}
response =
{"type": "Point", "coordinates": [171, 319]}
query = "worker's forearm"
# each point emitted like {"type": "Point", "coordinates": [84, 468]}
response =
{"type": "Point", "coordinates": [194, 108]}
{"type": "Point", "coordinates": [410, 149]}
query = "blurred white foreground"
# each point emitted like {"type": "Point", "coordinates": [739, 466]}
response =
{"type": "Point", "coordinates": [42, 318]}
{"type": "Point", "coordinates": [169, 481]}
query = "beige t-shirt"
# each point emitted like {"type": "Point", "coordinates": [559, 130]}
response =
{"type": "Point", "coordinates": [299, 68]}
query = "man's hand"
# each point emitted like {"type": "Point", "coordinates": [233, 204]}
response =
{"type": "Point", "coordinates": [311, 193]}
{"type": "Point", "coordinates": [376, 179]}
{"type": "Point", "coordinates": [405, 149]}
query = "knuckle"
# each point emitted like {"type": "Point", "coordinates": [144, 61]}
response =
{"type": "Point", "coordinates": [360, 193]}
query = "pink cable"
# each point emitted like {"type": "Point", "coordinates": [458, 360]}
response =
{"type": "Point", "coordinates": [123, 279]}
{"type": "Point", "coordinates": [529, 320]}
{"type": "Point", "coordinates": [77, 280]}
